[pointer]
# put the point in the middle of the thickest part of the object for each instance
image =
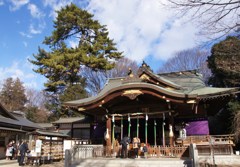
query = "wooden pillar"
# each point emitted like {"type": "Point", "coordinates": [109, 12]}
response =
{"type": "Point", "coordinates": [109, 129]}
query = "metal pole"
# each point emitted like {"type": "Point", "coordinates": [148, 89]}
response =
{"type": "Point", "coordinates": [121, 128]}
{"type": "Point", "coordinates": [113, 135]}
{"type": "Point", "coordinates": [129, 126]}
{"type": "Point", "coordinates": [146, 132]}
{"type": "Point", "coordinates": [155, 133]}
{"type": "Point", "coordinates": [163, 132]}
{"type": "Point", "coordinates": [137, 127]}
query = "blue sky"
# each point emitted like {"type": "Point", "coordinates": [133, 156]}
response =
{"type": "Point", "coordinates": [142, 29]}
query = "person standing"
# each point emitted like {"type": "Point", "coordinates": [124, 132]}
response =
{"type": "Point", "coordinates": [145, 150]}
{"type": "Point", "coordinates": [23, 148]}
{"type": "Point", "coordinates": [136, 144]}
{"type": "Point", "coordinates": [124, 142]}
{"type": "Point", "coordinates": [14, 149]}
{"type": "Point", "coordinates": [9, 151]}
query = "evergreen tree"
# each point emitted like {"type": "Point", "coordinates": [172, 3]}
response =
{"type": "Point", "coordinates": [224, 63]}
{"type": "Point", "coordinates": [225, 66]}
{"type": "Point", "coordinates": [13, 95]}
{"type": "Point", "coordinates": [73, 92]}
{"type": "Point", "coordinates": [62, 64]}
{"type": "Point", "coordinates": [94, 49]}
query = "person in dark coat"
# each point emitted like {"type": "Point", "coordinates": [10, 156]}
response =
{"type": "Point", "coordinates": [23, 149]}
{"type": "Point", "coordinates": [145, 150]}
{"type": "Point", "coordinates": [124, 142]}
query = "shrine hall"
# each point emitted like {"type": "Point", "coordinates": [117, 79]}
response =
{"type": "Point", "coordinates": [166, 109]}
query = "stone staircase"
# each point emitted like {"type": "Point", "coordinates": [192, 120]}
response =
{"type": "Point", "coordinates": [113, 162]}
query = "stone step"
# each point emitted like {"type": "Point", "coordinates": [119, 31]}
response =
{"type": "Point", "coordinates": [220, 159]}
{"type": "Point", "coordinates": [108, 162]}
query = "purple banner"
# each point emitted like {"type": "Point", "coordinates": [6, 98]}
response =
{"type": "Point", "coordinates": [197, 128]}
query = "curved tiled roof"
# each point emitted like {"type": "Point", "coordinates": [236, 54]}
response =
{"type": "Point", "coordinates": [72, 120]}
{"type": "Point", "coordinates": [14, 119]}
{"type": "Point", "coordinates": [118, 85]}
{"type": "Point", "coordinates": [185, 84]}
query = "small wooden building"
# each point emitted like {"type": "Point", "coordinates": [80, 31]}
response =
{"type": "Point", "coordinates": [13, 126]}
{"type": "Point", "coordinates": [51, 147]}
{"type": "Point", "coordinates": [157, 108]}
{"type": "Point", "coordinates": [77, 128]}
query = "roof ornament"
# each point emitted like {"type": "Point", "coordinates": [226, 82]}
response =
{"type": "Point", "coordinates": [130, 72]}
{"type": "Point", "coordinates": [144, 65]}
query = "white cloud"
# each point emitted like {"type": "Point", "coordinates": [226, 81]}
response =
{"type": "Point", "coordinates": [24, 72]}
{"type": "Point", "coordinates": [34, 30]}
{"type": "Point", "coordinates": [25, 43]}
{"type": "Point", "coordinates": [1, 2]}
{"type": "Point", "coordinates": [17, 4]}
{"type": "Point", "coordinates": [178, 37]}
{"type": "Point", "coordinates": [25, 34]}
{"type": "Point", "coordinates": [35, 12]}
{"type": "Point", "coordinates": [143, 27]}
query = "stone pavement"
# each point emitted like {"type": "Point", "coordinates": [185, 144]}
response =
{"type": "Point", "coordinates": [129, 162]}
{"type": "Point", "coordinates": [14, 163]}
{"type": "Point", "coordinates": [220, 161]}
{"type": "Point", "coordinates": [8, 163]}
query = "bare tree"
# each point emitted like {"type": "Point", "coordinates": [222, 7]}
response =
{"type": "Point", "coordinates": [97, 79]}
{"type": "Point", "coordinates": [35, 98]}
{"type": "Point", "coordinates": [190, 59]}
{"type": "Point", "coordinates": [122, 67]}
{"type": "Point", "coordinates": [35, 108]}
{"type": "Point", "coordinates": [216, 17]}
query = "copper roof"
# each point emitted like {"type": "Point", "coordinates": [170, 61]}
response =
{"type": "Point", "coordinates": [185, 85]}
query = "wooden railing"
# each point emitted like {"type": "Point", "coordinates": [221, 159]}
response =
{"type": "Point", "coordinates": [207, 145]}
{"type": "Point", "coordinates": [94, 151]}
{"type": "Point", "coordinates": [207, 139]}
{"type": "Point", "coordinates": [167, 151]}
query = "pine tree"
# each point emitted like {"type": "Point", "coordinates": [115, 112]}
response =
{"type": "Point", "coordinates": [62, 63]}
{"type": "Point", "coordinates": [94, 49]}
